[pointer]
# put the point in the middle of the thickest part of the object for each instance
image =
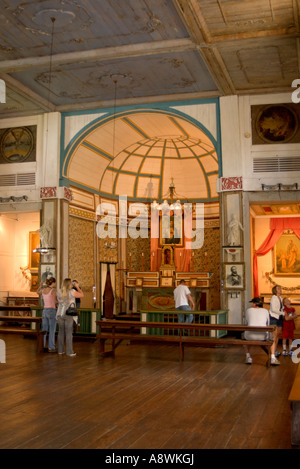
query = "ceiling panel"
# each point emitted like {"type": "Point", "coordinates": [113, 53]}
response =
{"type": "Point", "coordinates": [155, 50]}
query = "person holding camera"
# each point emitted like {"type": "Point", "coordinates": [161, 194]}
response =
{"type": "Point", "coordinates": [66, 297]}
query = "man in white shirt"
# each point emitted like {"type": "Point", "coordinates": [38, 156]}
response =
{"type": "Point", "coordinates": [183, 297]}
{"type": "Point", "coordinates": [255, 316]}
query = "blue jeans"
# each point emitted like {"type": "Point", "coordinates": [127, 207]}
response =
{"type": "Point", "coordinates": [187, 318]}
{"type": "Point", "coordinates": [49, 325]}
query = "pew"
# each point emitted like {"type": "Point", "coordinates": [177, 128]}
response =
{"type": "Point", "coordinates": [294, 398]}
{"type": "Point", "coordinates": [117, 330]}
{"type": "Point", "coordinates": [34, 331]}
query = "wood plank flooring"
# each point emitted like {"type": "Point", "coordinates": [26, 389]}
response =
{"type": "Point", "coordinates": [143, 399]}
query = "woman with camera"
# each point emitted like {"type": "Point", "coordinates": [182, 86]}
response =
{"type": "Point", "coordinates": [66, 297]}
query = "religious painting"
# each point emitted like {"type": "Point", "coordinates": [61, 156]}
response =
{"type": "Point", "coordinates": [234, 276]}
{"type": "Point", "coordinates": [18, 145]}
{"type": "Point", "coordinates": [275, 123]}
{"type": "Point", "coordinates": [171, 230]}
{"type": "Point", "coordinates": [287, 255]}
{"type": "Point", "coordinates": [34, 257]}
{"type": "Point", "coordinates": [34, 282]}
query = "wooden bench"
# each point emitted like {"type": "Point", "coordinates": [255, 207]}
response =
{"type": "Point", "coordinates": [20, 308]}
{"type": "Point", "coordinates": [118, 330]}
{"type": "Point", "coordinates": [294, 398]}
{"type": "Point", "coordinates": [19, 330]}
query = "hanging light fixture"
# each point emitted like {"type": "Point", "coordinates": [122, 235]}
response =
{"type": "Point", "coordinates": [46, 249]}
{"type": "Point", "coordinates": [170, 195]}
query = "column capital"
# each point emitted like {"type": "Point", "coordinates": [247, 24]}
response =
{"type": "Point", "coordinates": [56, 193]}
{"type": "Point", "coordinates": [234, 183]}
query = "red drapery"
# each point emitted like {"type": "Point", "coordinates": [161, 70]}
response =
{"type": "Point", "coordinates": [277, 226]}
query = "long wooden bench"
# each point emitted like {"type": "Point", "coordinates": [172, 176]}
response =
{"type": "Point", "coordinates": [118, 330]}
{"type": "Point", "coordinates": [37, 332]}
{"type": "Point", "coordinates": [294, 398]}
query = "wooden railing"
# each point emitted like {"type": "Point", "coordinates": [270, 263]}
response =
{"type": "Point", "coordinates": [199, 317]}
{"type": "Point", "coordinates": [87, 319]}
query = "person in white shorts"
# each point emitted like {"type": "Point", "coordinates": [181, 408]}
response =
{"type": "Point", "coordinates": [255, 316]}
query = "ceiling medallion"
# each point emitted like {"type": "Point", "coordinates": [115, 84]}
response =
{"type": "Point", "coordinates": [62, 17]}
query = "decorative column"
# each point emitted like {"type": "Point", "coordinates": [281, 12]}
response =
{"type": "Point", "coordinates": [55, 216]}
{"type": "Point", "coordinates": [232, 248]}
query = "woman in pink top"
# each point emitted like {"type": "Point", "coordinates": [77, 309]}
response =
{"type": "Point", "coordinates": [49, 312]}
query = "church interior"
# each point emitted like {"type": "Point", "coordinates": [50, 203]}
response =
{"type": "Point", "coordinates": [143, 143]}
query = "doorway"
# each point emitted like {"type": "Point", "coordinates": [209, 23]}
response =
{"type": "Point", "coordinates": [108, 289]}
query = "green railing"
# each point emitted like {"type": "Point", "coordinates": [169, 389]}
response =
{"type": "Point", "coordinates": [87, 319]}
{"type": "Point", "coordinates": [200, 317]}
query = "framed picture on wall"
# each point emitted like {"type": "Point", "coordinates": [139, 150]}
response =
{"type": "Point", "coordinates": [47, 271]}
{"type": "Point", "coordinates": [234, 275]}
{"type": "Point", "coordinates": [171, 230]}
{"type": "Point", "coordinates": [287, 256]}
{"type": "Point", "coordinates": [34, 257]}
{"type": "Point", "coordinates": [34, 283]}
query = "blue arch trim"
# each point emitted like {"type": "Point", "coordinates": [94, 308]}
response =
{"type": "Point", "coordinates": [107, 114]}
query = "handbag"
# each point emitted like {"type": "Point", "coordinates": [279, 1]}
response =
{"type": "Point", "coordinates": [72, 310]}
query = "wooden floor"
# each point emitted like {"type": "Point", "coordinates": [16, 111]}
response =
{"type": "Point", "coordinates": [143, 399]}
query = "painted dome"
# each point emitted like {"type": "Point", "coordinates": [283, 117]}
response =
{"type": "Point", "coordinates": [138, 154]}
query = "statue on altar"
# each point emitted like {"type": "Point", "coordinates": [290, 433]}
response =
{"type": "Point", "coordinates": [168, 256]}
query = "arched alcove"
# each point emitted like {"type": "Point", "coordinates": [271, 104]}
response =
{"type": "Point", "coordinates": [137, 153]}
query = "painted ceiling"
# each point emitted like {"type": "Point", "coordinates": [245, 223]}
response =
{"type": "Point", "coordinates": [140, 154]}
{"type": "Point", "coordinates": [60, 55]}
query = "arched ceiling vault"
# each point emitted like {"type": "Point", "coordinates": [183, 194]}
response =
{"type": "Point", "coordinates": [138, 153]}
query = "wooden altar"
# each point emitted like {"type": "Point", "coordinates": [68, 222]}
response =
{"type": "Point", "coordinates": [154, 290]}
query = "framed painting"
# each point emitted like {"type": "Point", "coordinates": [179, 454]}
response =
{"type": "Point", "coordinates": [287, 256]}
{"type": "Point", "coordinates": [171, 230]}
{"type": "Point", "coordinates": [34, 283]}
{"type": "Point", "coordinates": [234, 276]}
{"type": "Point", "coordinates": [47, 271]}
{"type": "Point", "coordinates": [34, 257]}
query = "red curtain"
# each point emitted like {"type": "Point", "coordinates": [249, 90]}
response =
{"type": "Point", "coordinates": [277, 226]}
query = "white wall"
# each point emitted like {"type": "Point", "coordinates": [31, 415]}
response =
{"type": "Point", "coordinates": [237, 149]}
{"type": "Point", "coordinates": [46, 166]}
{"type": "Point", "coordinates": [14, 249]}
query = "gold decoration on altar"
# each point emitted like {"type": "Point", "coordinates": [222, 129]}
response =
{"type": "Point", "coordinates": [289, 289]}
